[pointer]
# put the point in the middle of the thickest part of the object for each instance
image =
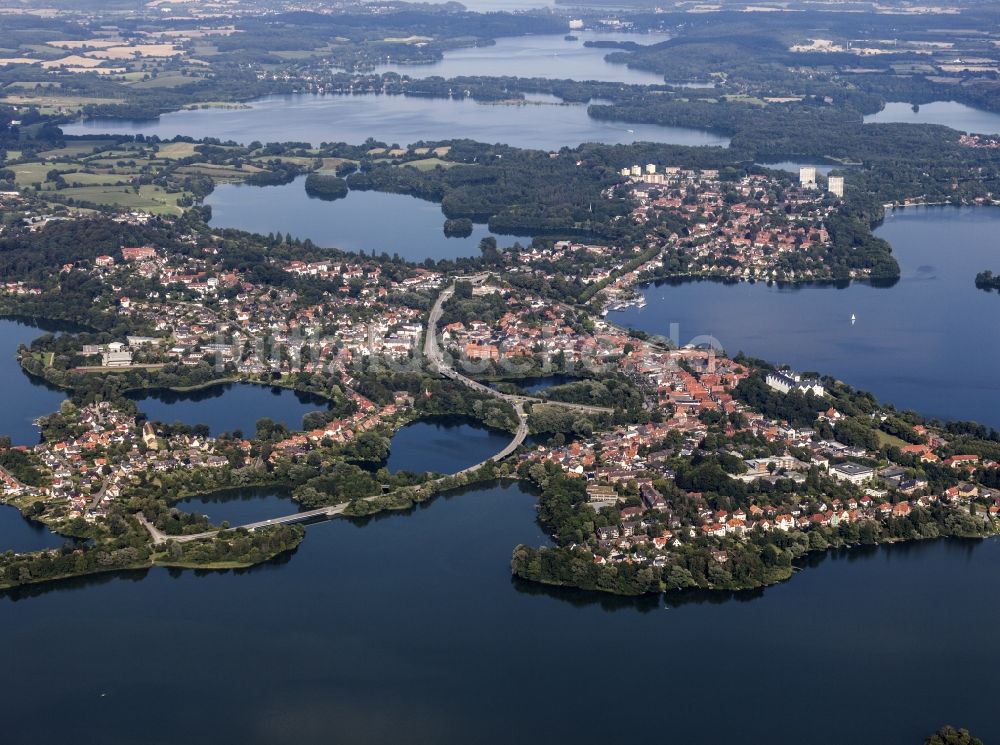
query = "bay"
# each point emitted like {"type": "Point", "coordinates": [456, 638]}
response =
{"type": "Point", "coordinates": [929, 342]}
{"type": "Point", "coordinates": [948, 113]}
{"type": "Point", "coordinates": [412, 624]}
{"type": "Point", "coordinates": [24, 398]}
{"type": "Point", "coordinates": [444, 445]}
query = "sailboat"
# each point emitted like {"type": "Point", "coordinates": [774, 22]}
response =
{"type": "Point", "coordinates": [853, 318]}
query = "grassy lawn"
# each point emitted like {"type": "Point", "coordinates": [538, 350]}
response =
{"type": "Point", "coordinates": [74, 149]}
{"type": "Point", "coordinates": [885, 438]}
{"type": "Point", "coordinates": [31, 84]}
{"type": "Point", "coordinates": [98, 179]}
{"type": "Point", "coordinates": [429, 164]}
{"type": "Point", "coordinates": [150, 198]}
{"type": "Point", "coordinates": [54, 103]}
{"type": "Point", "coordinates": [176, 150]}
{"type": "Point", "coordinates": [220, 172]}
{"type": "Point", "coordinates": [162, 81]}
{"type": "Point", "coordinates": [204, 50]}
{"type": "Point", "coordinates": [293, 159]}
{"type": "Point", "coordinates": [26, 174]}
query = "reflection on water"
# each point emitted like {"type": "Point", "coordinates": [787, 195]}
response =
{"type": "Point", "coordinates": [229, 407]}
{"type": "Point", "coordinates": [548, 55]}
{"type": "Point", "coordinates": [421, 609]}
{"type": "Point", "coordinates": [363, 221]}
{"type": "Point", "coordinates": [397, 120]}
{"type": "Point", "coordinates": [948, 113]}
{"type": "Point", "coordinates": [907, 339]}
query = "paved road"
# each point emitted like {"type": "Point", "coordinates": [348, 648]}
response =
{"type": "Point", "coordinates": [434, 355]}
{"type": "Point", "coordinates": [12, 478]}
{"type": "Point", "coordinates": [298, 517]}
{"type": "Point", "coordinates": [436, 359]}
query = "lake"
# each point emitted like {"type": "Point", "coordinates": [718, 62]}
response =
{"type": "Point", "coordinates": [444, 445]}
{"type": "Point", "coordinates": [412, 624]}
{"type": "Point", "coordinates": [928, 343]}
{"type": "Point", "coordinates": [398, 120]}
{"type": "Point", "coordinates": [362, 221]}
{"type": "Point", "coordinates": [539, 383]}
{"type": "Point", "coordinates": [241, 506]}
{"type": "Point", "coordinates": [949, 113]}
{"type": "Point", "coordinates": [17, 533]}
{"type": "Point", "coordinates": [529, 56]}
{"type": "Point", "coordinates": [25, 398]}
{"type": "Point", "coordinates": [228, 406]}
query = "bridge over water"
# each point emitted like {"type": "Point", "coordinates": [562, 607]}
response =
{"type": "Point", "coordinates": [436, 359]}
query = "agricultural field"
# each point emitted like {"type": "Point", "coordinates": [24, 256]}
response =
{"type": "Point", "coordinates": [150, 198]}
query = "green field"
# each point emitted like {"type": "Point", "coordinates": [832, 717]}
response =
{"type": "Point", "coordinates": [74, 149]}
{"type": "Point", "coordinates": [163, 81]}
{"type": "Point", "coordinates": [429, 164]}
{"type": "Point", "coordinates": [97, 179]}
{"type": "Point", "coordinates": [149, 199]}
{"type": "Point", "coordinates": [884, 438]}
{"type": "Point", "coordinates": [176, 150]}
{"type": "Point", "coordinates": [26, 174]}
{"type": "Point", "coordinates": [219, 172]}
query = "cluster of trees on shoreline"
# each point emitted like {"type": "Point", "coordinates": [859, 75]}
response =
{"type": "Point", "coordinates": [763, 559]}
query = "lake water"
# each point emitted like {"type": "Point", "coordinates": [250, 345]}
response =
{"type": "Point", "coordinates": [228, 407]}
{"type": "Point", "coordinates": [538, 383]}
{"type": "Point", "coordinates": [928, 343]}
{"type": "Point", "coordinates": [20, 534]}
{"type": "Point", "coordinates": [362, 221]}
{"type": "Point", "coordinates": [510, 6]}
{"type": "Point", "coordinates": [412, 624]}
{"type": "Point", "coordinates": [949, 113]}
{"type": "Point", "coordinates": [24, 398]}
{"type": "Point", "coordinates": [444, 445]}
{"type": "Point", "coordinates": [241, 506]}
{"type": "Point", "coordinates": [398, 120]}
{"type": "Point", "coordinates": [530, 56]}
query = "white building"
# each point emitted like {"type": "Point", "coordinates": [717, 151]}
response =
{"type": "Point", "coordinates": [650, 168]}
{"type": "Point", "coordinates": [122, 358]}
{"type": "Point", "coordinates": [835, 185]}
{"type": "Point", "coordinates": [807, 177]}
{"type": "Point", "coordinates": [854, 473]}
{"type": "Point", "coordinates": [789, 381]}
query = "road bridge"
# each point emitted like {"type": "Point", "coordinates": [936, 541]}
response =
{"type": "Point", "coordinates": [435, 358]}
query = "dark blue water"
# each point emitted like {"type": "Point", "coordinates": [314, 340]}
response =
{"type": "Point", "coordinates": [539, 383]}
{"type": "Point", "coordinates": [409, 628]}
{"type": "Point", "coordinates": [241, 506]}
{"type": "Point", "coordinates": [363, 221]}
{"type": "Point", "coordinates": [24, 398]}
{"type": "Point", "coordinates": [400, 120]}
{"type": "Point", "coordinates": [948, 113]}
{"type": "Point", "coordinates": [229, 407]}
{"type": "Point", "coordinates": [19, 534]}
{"type": "Point", "coordinates": [443, 445]}
{"type": "Point", "coordinates": [928, 343]}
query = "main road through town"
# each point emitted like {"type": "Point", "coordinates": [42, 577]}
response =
{"type": "Point", "coordinates": [436, 361]}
